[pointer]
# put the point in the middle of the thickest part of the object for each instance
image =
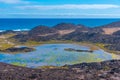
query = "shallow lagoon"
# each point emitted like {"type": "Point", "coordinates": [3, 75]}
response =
{"type": "Point", "coordinates": [54, 54]}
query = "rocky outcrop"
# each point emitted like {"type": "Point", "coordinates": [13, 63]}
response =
{"type": "Point", "coordinates": [117, 33]}
{"type": "Point", "coordinates": [41, 30]}
{"type": "Point", "coordinates": [65, 26]}
{"type": "Point", "coordinates": [39, 33]}
{"type": "Point", "coordinates": [77, 50]}
{"type": "Point", "coordinates": [107, 70]}
{"type": "Point", "coordinates": [18, 50]}
{"type": "Point", "coordinates": [114, 47]}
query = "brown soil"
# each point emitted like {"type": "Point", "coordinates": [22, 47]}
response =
{"type": "Point", "coordinates": [110, 31]}
{"type": "Point", "coordinates": [64, 32]}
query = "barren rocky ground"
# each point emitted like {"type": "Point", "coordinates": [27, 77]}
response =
{"type": "Point", "coordinates": [107, 70]}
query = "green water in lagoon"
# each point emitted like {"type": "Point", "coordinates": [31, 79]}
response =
{"type": "Point", "coordinates": [54, 54]}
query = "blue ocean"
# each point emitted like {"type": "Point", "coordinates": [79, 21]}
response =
{"type": "Point", "coordinates": [29, 23]}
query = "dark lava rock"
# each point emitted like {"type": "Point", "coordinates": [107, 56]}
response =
{"type": "Point", "coordinates": [65, 26]}
{"type": "Point", "coordinates": [42, 33]}
{"type": "Point", "coordinates": [77, 50]}
{"type": "Point", "coordinates": [18, 49]}
{"type": "Point", "coordinates": [84, 71]}
{"type": "Point", "coordinates": [117, 33]}
{"type": "Point", "coordinates": [39, 30]}
{"type": "Point", "coordinates": [114, 47]}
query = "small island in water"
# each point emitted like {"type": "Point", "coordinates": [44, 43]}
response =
{"type": "Point", "coordinates": [17, 50]}
{"type": "Point", "coordinates": [77, 50]}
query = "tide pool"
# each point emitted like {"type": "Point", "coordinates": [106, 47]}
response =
{"type": "Point", "coordinates": [55, 55]}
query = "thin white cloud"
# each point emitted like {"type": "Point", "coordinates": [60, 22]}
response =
{"type": "Point", "coordinates": [64, 14]}
{"type": "Point", "coordinates": [59, 15]}
{"type": "Point", "coordinates": [13, 1]}
{"type": "Point", "coordinates": [70, 6]}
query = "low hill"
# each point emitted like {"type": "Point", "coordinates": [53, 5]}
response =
{"type": "Point", "coordinates": [64, 26]}
{"type": "Point", "coordinates": [41, 30]}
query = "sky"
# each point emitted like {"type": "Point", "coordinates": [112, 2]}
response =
{"type": "Point", "coordinates": [59, 8]}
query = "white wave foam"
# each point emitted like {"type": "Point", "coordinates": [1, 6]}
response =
{"type": "Point", "coordinates": [21, 29]}
{"type": "Point", "coordinates": [2, 30]}
{"type": "Point", "coordinates": [16, 30]}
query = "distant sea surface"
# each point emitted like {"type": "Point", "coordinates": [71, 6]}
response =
{"type": "Point", "coordinates": [29, 23]}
